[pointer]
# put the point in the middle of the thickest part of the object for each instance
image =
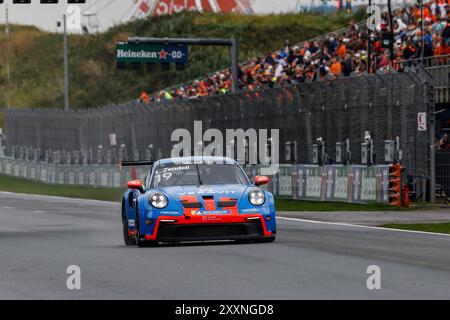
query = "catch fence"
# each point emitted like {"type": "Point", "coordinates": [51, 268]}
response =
{"type": "Point", "coordinates": [350, 114]}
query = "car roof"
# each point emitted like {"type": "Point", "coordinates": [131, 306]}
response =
{"type": "Point", "coordinates": [195, 159]}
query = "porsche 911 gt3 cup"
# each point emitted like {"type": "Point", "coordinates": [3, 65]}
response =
{"type": "Point", "coordinates": [197, 199]}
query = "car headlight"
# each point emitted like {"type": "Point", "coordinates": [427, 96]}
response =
{"type": "Point", "coordinates": [256, 197]}
{"type": "Point", "coordinates": [158, 200]}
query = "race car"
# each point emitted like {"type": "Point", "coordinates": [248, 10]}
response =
{"type": "Point", "coordinates": [196, 199]}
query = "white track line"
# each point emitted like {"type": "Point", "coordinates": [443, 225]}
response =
{"type": "Point", "coordinates": [343, 224]}
{"type": "Point", "coordinates": [283, 218]}
{"type": "Point", "coordinates": [43, 196]}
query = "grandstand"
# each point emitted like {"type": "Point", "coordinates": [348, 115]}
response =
{"type": "Point", "coordinates": [340, 54]}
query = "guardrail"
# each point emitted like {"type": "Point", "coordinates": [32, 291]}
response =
{"type": "Point", "coordinates": [428, 62]}
{"type": "Point", "coordinates": [439, 68]}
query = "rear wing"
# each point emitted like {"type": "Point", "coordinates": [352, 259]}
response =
{"type": "Point", "coordinates": [135, 163]}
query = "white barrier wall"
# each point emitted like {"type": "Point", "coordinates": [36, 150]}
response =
{"type": "Point", "coordinates": [88, 175]}
{"type": "Point", "coordinates": [355, 183]}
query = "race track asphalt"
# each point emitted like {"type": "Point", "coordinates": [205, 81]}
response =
{"type": "Point", "coordinates": [41, 236]}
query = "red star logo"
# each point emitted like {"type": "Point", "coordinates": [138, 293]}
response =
{"type": "Point", "coordinates": [162, 55]}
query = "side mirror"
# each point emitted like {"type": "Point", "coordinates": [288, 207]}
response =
{"type": "Point", "coordinates": [261, 180]}
{"type": "Point", "coordinates": [135, 185]}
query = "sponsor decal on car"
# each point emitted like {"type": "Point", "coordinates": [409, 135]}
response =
{"type": "Point", "coordinates": [168, 213]}
{"type": "Point", "coordinates": [170, 169]}
{"type": "Point", "coordinates": [200, 212]}
{"type": "Point", "coordinates": [207, 191]}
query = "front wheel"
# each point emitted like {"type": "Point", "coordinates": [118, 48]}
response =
{"type": "Point", "coordinates": [266, 239]}
{"type": "Point", "coordinates": [140, 242]}
{"type": "Point", "coordinates": [129, 240]}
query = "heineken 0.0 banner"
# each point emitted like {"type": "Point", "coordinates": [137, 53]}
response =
{"type": "Point", "coordinates": [151, 53]}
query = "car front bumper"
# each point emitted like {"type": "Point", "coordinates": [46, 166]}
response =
{"type": "Point", "coordinates": [209, 227]}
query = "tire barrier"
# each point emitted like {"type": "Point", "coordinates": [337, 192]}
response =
{"type": "Point", "coordinates": [395, 185]}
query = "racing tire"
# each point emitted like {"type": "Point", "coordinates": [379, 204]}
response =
{"type": "Point", "coordinates": [129, 240]}
{"type": "Point", "coordinates": [139, 241]}
{"type": "Point", "coordinates": [266, 239]}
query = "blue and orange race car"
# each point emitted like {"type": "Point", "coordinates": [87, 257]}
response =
{"type": "Point", "coordinates": [197, 199]}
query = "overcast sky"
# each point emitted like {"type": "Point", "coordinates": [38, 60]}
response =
{"type": "Point", "coordinates": [111, 12]}
{"type": "Point", "coordinates": [45, 15]}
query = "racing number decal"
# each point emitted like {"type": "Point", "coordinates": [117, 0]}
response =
{"type": "Point", "coordinates": [166, 176]}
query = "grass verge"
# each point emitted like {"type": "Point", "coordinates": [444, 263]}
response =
{"type": "Point", "coordinates": [428, 227]}
{"type": "Point", "coordinates": [12, 184]}
{"type": "Point", "coordinates": [283, 204]}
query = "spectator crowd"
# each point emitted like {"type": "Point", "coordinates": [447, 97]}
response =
{"type": "Point", "coordinates": [335, 55]}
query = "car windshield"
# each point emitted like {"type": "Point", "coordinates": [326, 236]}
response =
{"type": "Point", "coordinates": [197, 174]}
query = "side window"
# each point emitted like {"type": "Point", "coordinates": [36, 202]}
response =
{"type": "Point", "coordinates": [148, 177]}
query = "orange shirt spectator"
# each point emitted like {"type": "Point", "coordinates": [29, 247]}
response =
{"type": "Point", "coordinates": [144, 97]}
{"type": "Point", "coordinates": [342, 51]}
{"type": "Point", "coordinates": [336, 68]}
{"type": "Point", "coordinates": [426, 13]}
{"type": "Point", "coordinates": [441, 50]}
{"type": "Point", "coordinates": [416, 13]}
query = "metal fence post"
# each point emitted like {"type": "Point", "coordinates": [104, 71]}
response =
{"type": "Point", "coordinates": [234, 64]}
{"type": "Point", "coordinates": [432, 123]}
